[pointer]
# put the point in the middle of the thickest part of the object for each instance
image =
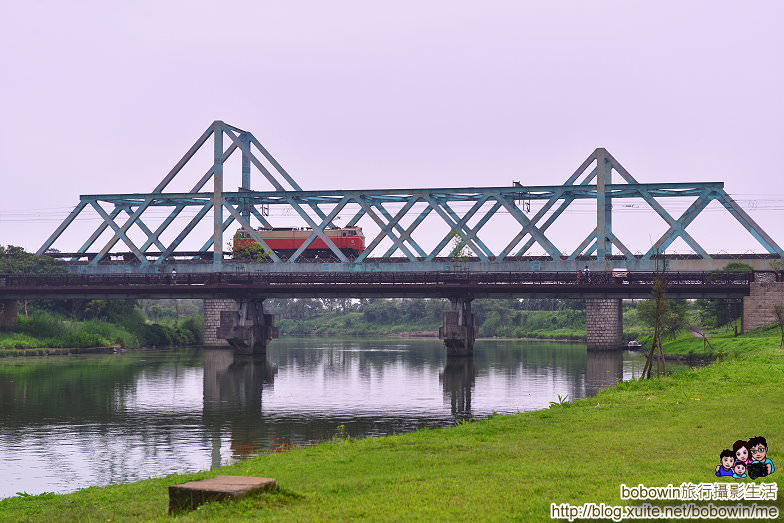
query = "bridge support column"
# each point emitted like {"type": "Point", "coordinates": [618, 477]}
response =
{"type": "Point", "coordinates": [459, 329]}
{"type": "Point", "coordinates": [604, 323]}
{"type": "Point", "coordinates": [9, 313]}
{"type": "Point", "coordinates": [758, 306]}
{"type": "Point", "coordinates": [247, 329]}
{"type": "Point", "coordinates": [212, 315]}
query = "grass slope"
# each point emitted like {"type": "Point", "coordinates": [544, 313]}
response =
{"type": "Point", "coordinates": [722, 342]}
{"type": "Point", "coordinates": [512, 467]}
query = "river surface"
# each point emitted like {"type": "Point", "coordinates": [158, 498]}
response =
{"type": "Point", "coordinates": [69, 422]}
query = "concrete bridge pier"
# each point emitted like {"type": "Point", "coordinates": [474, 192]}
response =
{"type": "Point", "coordinates": [212, 314]}
{"type": "Point", "coordinates": [758, 307]}
{"type": "Point", "coordinates": [604, 323]}
{"type": "Point", "coordinates": [9, 313]}
{"type": "Point", "coordinates": [459, 328]}
{"type": "Point", "coordinates": [242, 324]}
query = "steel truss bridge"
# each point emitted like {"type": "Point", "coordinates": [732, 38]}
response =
{"type": "Point", "coordinates": [374, 284]}
{"type": "Point", "coordinates": [397, 214]}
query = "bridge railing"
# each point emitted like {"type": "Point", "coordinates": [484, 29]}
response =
{"type": "Point", "coordinates": [584, 280]}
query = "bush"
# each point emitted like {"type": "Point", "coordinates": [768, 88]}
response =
{"type": "Point", "coordinates": [156, 335]}
{"type": "Point", "coordinates": [738, 266]}
{"type": "Point", "coordinates": [44, 325]}
{"type": "Point", "coordinates": [189, 331]}
{"type": "Point", "coordinates": [115, 334]}
{"type": "Point", "coordinates": [17, 340]}
{"type": "Point", "coordinates": [194, 326]}
{"type": "Point", "coordinates": [77, 339]}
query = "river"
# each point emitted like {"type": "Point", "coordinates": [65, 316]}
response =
{"type": "Point", "coordinates": [69, 422]}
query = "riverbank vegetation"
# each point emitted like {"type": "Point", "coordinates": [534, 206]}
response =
{"type": "Point", "coordinates": [513, 318]}
{"type": "Point", "coordinates": [504, 318]}
{"type": "Point", "coordinates": [79, 323]}
{"type": "Point", "coordinates": [716, 343]}
{"type": "Point", "coordinates": [129, 323]}
{"type": "Point", "coordinates": [654, 432]}
{"type": "Point", "coordinates": [97, 323]}
{"type": "Point", "coordinates": [545, 318]}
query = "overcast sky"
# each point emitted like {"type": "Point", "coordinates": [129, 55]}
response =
{"type": "Point", "coordinates": [104, 97]}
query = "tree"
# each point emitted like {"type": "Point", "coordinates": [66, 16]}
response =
{"type": "Point", "coordinates": [669, 315]}
{"type": "Point", "coordinates": [414, 309]}
{"type": "Point", "coordinates": [381, 310]}
{"type": "Point", "coordinates": [667, 319]}
{"type": "Point", "coordinates": [249, 251]}
{"type": "Point", "coordinates": [460, 250]}
{"type": "Point", "coordinates": [123, 312]}
{"type": "Point", "coordinates": [723, 311]}
{"type": "Point", "coordinates": [15, 260]}
{"type": "Point", "coordinates": [778, 311]}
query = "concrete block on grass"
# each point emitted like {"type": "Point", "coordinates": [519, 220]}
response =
{"type": "Point", "coordinates": [188, 496]}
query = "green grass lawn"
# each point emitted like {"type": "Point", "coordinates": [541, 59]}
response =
{"type": "Point", "coordinates": [656, 432]}
{"type": "Point", "coordinates": [721, 342]}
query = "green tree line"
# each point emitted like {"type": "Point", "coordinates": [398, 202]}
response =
{"type": "Point", "coordinates": [547, 318]}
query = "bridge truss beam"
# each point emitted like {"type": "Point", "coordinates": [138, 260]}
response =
{"type": "Point", "coordinates": [320, 209]}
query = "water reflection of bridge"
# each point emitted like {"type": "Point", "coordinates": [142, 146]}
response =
{"type": "Point", "coordinates": [603, 369]}
{"type": "Point", "coordinates": [235, 385]}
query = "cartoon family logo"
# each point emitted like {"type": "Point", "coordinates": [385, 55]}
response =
{"type": "Point", "coordinates": [746, 459]}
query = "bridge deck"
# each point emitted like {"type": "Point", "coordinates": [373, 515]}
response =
{"type": "Point", "coordinates": [382, 284]}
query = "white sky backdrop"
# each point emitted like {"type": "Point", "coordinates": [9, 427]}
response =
{"type": "Point", "coordinates": [104, 97]}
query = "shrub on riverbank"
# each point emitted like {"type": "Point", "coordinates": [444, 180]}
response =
{"type": "Point", "coordinates": [520, 324]}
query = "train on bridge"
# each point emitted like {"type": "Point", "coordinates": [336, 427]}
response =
{"type": "Point", "coordinates": [286, 240]}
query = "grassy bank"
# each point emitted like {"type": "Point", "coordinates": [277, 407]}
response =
{"type": "Point", "coordinates": [44, 330]}
{"type": "Point", "coordinates": [721, 343]}
{"type": "Point", "coordinates": [651, 432]}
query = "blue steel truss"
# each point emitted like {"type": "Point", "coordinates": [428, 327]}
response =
{"type": "Point", "coordinates": [319, 210]}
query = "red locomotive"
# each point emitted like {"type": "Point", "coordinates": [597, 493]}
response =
{"type": "Point", "coordinates": [286, 240]}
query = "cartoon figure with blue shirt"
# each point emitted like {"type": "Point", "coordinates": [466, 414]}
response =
{"type": "Point", "coordinates": [740, 470]}
{"type": "Point", "coordinates": [727, 458]}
